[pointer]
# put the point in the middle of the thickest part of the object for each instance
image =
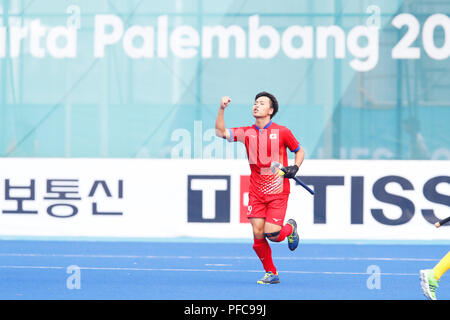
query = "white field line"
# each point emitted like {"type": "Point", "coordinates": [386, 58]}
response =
{"type": "Point", "coordinates": [207, 270]}
{"type": "Point", "coordinates": [103, 256]}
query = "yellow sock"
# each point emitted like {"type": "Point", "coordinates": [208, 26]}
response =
{"type": "Point", "coordinates": [442, 266]}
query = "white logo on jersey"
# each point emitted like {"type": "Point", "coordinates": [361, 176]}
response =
{"type": "Point", "coordinates": [273, 136]}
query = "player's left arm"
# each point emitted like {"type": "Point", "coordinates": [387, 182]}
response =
{"type": "Point", "coordinates": [291, 171]}
{"type": "Point", "coordinates": [292, 143]}
{"type": "Point", "coordinates": [299, 157]}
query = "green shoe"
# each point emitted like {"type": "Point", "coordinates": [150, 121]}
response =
{"type": "Point", "coordinates": [429, 283]}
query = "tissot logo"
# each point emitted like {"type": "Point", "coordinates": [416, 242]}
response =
{"type": "Point", "coordinates": [208, 198]}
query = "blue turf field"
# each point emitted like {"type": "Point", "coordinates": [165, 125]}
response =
{"type": "Point", "coordinates": [212, 271]}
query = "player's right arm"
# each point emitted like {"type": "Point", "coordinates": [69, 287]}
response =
{"type": "Point", "coordinates": [221, 130]}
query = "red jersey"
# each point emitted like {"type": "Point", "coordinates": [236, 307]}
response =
{"type": "Point", "coordinates": [264, 146]}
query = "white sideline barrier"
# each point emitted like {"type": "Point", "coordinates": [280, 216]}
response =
{"type": "Point", "coordinates": [148, 198]}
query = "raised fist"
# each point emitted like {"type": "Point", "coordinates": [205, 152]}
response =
{"type": "Point", "coordinates": [225, 102]}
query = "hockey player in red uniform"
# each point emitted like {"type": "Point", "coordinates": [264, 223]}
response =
{"type": "Point", "coordinates": [265, 142]}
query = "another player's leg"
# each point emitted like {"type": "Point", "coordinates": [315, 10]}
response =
{"type": "Point", "coordinates": [442, 266]}
{"type": "Point", "coordinates": [429, 278]}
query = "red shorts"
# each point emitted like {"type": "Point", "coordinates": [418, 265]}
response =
{"type": "Point", "coordinates": [271, 207]}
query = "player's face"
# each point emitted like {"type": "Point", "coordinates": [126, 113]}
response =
{"type": "Point", "coordinates": [262, 107]}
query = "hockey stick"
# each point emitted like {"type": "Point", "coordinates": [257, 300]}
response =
{"type": "Point", "coordinates": [442, 222]}
{"type": "Point", "coordinates": [274, 165]}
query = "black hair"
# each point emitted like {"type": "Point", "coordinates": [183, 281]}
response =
{"type": "Point", "coordinates": [273, 101]}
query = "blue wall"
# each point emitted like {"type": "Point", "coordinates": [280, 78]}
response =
{"type": "Point", "coordinates": [118, 106]}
